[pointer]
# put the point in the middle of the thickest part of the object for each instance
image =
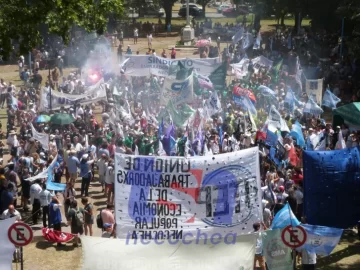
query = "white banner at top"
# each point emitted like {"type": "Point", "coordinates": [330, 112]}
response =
{"type": "Point", "coordinates": [146, 65]}
{"type": "Point", "coordinates": [314, 89]}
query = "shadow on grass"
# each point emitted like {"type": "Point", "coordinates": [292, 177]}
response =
{"type": "Point", "coordinates": [100, 203]}
{"type": "Point", "coordinates": [46, 245]}
{"type": "Point", "coordinates": [324, 263]}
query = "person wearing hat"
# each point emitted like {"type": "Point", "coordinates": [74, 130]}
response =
{"type": "Point", "coordinates": [86, 173]}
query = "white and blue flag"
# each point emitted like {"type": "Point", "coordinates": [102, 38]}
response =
{"type": "Point", "coordinates": [312, 108]}
{"type": "Point", "coordinates": [330, 100]}
{"type": "Point", "coordinates": [321, 240]}
{"type": "Point", "coordinates": [257, 43]}
{"type": "Point", "coordinates": [283, 218]}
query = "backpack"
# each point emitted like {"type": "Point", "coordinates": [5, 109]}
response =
{"type": "Point", "coordinates": [79, 218]}
{"type": "Point", "coordinates": [99, 221]}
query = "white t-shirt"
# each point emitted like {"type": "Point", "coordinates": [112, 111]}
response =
{"type": "Point", "coordinates": [6, 214]}
{"type": "Point", "coordinates": [109, 176]}
{"type": "Point", "coordinates": [149, 37]}
{"type": "Point", "coordinates": [136, 33]}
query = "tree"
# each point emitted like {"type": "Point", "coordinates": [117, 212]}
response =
{"type": "Point", "coordinates": [20, 21]}
{"type": "Point", "coordinates": [203, 3]}
{"type": "Point", "coordinates": [167, 6]}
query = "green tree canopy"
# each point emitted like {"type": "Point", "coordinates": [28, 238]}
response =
{"type": "Point", "coordinates": [20, 20]}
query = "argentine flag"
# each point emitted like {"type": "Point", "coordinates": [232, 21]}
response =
{"type": "Point", "coordinates": [283, 218]}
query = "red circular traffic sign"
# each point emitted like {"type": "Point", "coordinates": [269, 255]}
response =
{"type": "Point", "coordinates": [20, 234]}
{"type": "Point", "coordinates": [293, 237]}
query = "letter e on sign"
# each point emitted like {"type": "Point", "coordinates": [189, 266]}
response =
{"type": "Point", "coordinates": [293, 237]}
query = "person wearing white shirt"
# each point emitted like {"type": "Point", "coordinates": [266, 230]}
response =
{"type": "Point", "coordinates": [35, 190]}
{"type": "Point", "coordinates": [11, 212]}
{"type": "Point", "coordinates": [308, 259]}
{"type": "Point", "coordinates": [299, 196]}
{"type": "Point", "coordinates": [79, 112]}
{"type": "Point", "coordinates": [45, 200]}
{"type": "Point", "coordinates": [109, 181]}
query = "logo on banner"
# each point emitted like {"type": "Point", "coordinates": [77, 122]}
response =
{"type": "Point", "coordinates": [276, 250]}
{"type": "Point", "coordinates": [294, 237]}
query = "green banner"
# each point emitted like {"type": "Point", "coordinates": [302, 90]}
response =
{"type": "Point", "coordinates": [218, 77]}
{"type": "Point", "coordinates": [277, 254]}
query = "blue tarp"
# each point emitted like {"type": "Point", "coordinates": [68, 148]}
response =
{"type": "Point", "coordinates": [332, 187]}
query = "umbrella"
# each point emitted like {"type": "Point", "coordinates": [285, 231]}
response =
{"type": "Point", "coordinates": [42, 119]}
{"type": "Point", "coordinates": [202, 43]}
{"type": "Point", "coordinates": [62, 119]}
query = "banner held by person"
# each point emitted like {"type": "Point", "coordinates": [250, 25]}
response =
{"type": "Point", "coordinates": [7, 248]}
{"type": "Point", "coordinates": [314, 89]}
{"type": "Point", "coordinates": [161, 197]}
{"type": "Point", "coordinates": [177, 91]}
{"type": "Point", "coordinates": [43, 138]}
{"type": "Point", "coordinates": [278, 256]}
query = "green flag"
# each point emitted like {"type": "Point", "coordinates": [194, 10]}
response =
{"type": "Point", "coordinates": [180, 117]}
{"type": "Point", "coordinates": [277, 254]}
{"type": "Point", "coordinates": [276, 70]}
{"type": "Point", "coordinates": [218, 77]}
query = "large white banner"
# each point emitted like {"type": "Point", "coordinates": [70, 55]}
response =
{"type": "Point", "coordinates": [211, 254]}
{"type": "Point", "coordinates": [177, 91]}
{"type": "Point", "coordinates": [314, 88]}
{"type": "Point", "coordinates": [43, 138]}
{"type": "Point", "coordinates": [7, 248]}
{"type": "Point", "coordinates": [169, 197]}
{"type": "Point", "coordinates": [93, 94]}
{"type": "Point", "coordinates": [146, 65]}
{"type": "Point", "coordinates": [241, 69]}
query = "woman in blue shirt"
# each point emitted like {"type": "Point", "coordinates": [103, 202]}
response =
{"type": "Point", "coordinates": [85, 174]}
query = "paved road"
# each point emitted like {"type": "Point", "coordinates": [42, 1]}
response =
{"type": "Point", "coordinates": [175, 15]}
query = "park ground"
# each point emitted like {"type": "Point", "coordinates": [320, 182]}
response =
{"type": "Point", "coordinates": [42, 255]}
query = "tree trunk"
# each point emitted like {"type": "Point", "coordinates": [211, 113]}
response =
{"type": "Point", "coordinates": [282, 19]}
{"type": "Point", "coordinates": [297, 20]}
{"type": "Point", "coordinates": [204, 9]}
{"type": "Point", "coordinates": [168, 12]}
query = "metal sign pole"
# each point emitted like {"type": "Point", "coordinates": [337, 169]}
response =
{"type": "Point", "coordinates": [21, 258]}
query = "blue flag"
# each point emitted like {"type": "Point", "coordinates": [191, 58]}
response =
{"type": "Point", "coordinates": [283, 218]}
{"type": "Point", "coordinates": [245, 103]}
{"type": "Point", "coordinates": [321, 240]}
{"type": "Point", "coordinates": [271, 138]}
{"type": "Point", "coordinates": [238, 35]}
{"type": "Point", "coordinates": [291, 100]}
{"type": "Point", "coordinates": [330, 100]}
{"type": "Point", "coordinates": [297, 133]}
{"type": "Point", "coordinates": [332, 187]}
{"type": "Point", "coordinates": [266, 91]}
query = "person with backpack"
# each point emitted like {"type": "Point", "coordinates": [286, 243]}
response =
{"type": "Point", "coordinates": [76, 221]}
{"type": "Point", "coordinates": [88, 216]}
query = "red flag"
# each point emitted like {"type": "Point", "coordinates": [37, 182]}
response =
{"type": "Point", "coordinates": [293, 158]}
{"type": "Point", "coordinates": [238, 91]}
{"type": "Point", "coordinates": [56, 236]}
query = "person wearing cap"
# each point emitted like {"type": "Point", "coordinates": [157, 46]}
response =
{"type": "Point", "coordinates": [85, 174]}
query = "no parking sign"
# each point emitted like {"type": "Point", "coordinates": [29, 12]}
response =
{"type": "Point", "coordinates": [20, 234]}
{"type": "Point", "coordinates": [293, 237]}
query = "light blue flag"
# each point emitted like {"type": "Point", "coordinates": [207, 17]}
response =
{"type": "Point", "coordinates": [50, 185]}
{"type": "Point", "coordinates": [312, 108]}
{"type": "Point", "coordinates": [245, 103]}
{"type": "Point", "coordinates": [248, 40]}
{"type": "Point", "coordinates": [238, 35]}
{"type": "Point", "coordinates": [271, 138]}
{"type": "Point", "coordinates": [291, 100]}
{"type": "Point", "coordinates": [330, 100]}
{"type": "Point", "coordinates": [283, 218]}
{"type": "Point", "coordinates": [296, 132]}
{"type": "Point", "coordinates": [266, 91]}
{"type": "Point", "coordinates": [321, 240]}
